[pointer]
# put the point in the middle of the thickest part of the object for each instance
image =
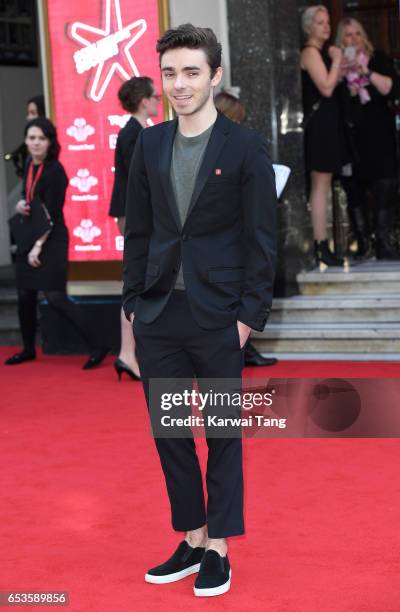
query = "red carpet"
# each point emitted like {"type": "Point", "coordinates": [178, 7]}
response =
{"type": "Point", "coordinates": [83, 506]}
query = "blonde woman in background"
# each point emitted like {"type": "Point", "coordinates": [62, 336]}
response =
{"type": "Point", "coordinates": [323, 140]}
{"type": "Point", "coordinates": [371, 81]}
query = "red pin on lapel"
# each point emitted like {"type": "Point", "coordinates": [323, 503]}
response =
{"type": "Point", "coordinates": [218, 171]}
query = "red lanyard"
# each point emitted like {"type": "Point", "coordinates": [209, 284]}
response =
{"type": "Point", "coordinates": [32, 182]}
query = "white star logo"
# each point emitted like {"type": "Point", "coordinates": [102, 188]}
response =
{"type": "Point", "coordinates": [101, 49]}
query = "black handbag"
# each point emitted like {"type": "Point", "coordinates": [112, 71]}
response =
{"type": "Point", "coordinates": [26, 229]}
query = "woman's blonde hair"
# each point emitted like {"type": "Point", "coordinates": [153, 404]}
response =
{"type": "Point", "coordinates": [308, 17]}
{"type": "Point", "coordinates": [353, 22]}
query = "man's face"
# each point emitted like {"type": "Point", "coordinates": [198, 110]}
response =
{"type": "Point", "coordinates": [186, 78]}
{"type": "Point", "coordinates": [151, 104]}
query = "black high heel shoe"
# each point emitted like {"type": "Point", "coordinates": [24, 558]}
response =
{"type": "Point", "coordinates": [324, 255]}
{"type": "Point", "coordinates": [120, 366]}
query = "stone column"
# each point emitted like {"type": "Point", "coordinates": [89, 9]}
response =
{"type": "Point", "coordinates": [264, 38]}
{"type": "Point", "coordinates": [5, 258]}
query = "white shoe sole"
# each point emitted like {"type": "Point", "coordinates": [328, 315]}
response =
{"type": "Point", "coordinates": [172, 577]}
{"type": "Point", "coordinates": [219, 590]}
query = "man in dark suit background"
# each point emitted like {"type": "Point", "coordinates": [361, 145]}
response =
{"type": "Point", "coordinates": [198, 276]}
{"type": "Point", "coordinates": [138, 98]}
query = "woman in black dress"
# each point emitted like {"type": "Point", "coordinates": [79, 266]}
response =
{"type": "Point", "coordinates": [137, 97]}
{"type": "Point", "coordinates": [44, 267]}
{"type": "Point", "coordinates": [371, 83]}
{"type": "Point", "coordinates": [321, 72]}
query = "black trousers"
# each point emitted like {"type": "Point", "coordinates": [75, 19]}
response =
{"type": "Point", "coordinates": [174, 346]}
{"type": "Point", "coordinates": [58, 300]}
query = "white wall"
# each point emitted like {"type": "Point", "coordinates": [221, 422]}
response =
{"type": "Point", "coordinates": [206, 14]}
{"type": "Point", "coordinates": [17, 84]}
{"type": "Point", "coordinates": [4, 233]}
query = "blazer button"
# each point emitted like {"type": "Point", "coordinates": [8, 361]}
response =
{"type": "Point", "coordinates": [184, 237]}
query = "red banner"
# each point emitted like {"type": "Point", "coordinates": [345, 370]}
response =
{"type": "Point", "coordinates": [94, 47]}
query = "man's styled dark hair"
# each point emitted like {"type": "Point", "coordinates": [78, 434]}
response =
{"type": "Point", "coordinates": [191, 37]}
{"type": "Point", "coordinates": [132, 92]}
{"type": "Point", "coordinates": [50, 132]}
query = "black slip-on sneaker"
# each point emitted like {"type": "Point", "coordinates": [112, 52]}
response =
{"type": "Point", "coordinates": [185, 561]}
{"type": "Point", "coordinates": [214, 576]}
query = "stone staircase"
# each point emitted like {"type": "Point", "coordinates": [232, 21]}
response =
{"type": "Point", "coordinates": [9, 326]}
{"type": "Point", "coordinates": [340, 314]}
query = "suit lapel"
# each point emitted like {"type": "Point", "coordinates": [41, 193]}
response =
{"type": "Point", "coordinates": [165, 159]}
{"type": "Point", "coordinates": [215, 144]}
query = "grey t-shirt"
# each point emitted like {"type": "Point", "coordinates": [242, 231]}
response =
{"type": "Point", "coordinates": [187, 155]}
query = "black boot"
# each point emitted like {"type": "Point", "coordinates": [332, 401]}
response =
{"type": "Point", "coordinates": [384, 191]}
{"type": "Point", "coordinates": [360, 229]}
{"type": "Point", "coordinates": [383, 247]}
{"type": "Point", "coordinates": [324, 255]}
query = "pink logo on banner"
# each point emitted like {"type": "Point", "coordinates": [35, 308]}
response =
{"type": "Point", "coordinates": [95, 47]}
{"type": "Point", "coordinates": [80, 130]}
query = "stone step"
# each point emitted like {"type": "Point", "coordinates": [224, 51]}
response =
{"type": "Point", "coordinates": [364, 278]}
{"type": "Point", "coordinates": [7, 276]}
{"type": "Point", "coordinates": [8, 302]}
{"type": "Point", "coordinates": [336, 309]}
{"type": "Point", "coordinates": [329, 338]}
{"type": "Point", "coordinates": [9, 329]}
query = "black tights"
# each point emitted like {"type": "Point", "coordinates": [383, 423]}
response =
{"type": "Point", "coordinates": [27, 312]}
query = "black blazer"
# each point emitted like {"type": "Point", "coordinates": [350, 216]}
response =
{"type": "Point", "coordinates": [123, 155]}
{"type": "Point", "coordinates": [228, 242]}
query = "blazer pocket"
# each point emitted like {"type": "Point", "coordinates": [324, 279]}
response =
{"type": "Point", "coordinates": [225, 275]}
{"type": "Point", "coordinates": [152, 269]}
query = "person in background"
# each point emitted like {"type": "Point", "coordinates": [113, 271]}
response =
{"type": "Point", "coordinates": [371, 83]}
{"type": "Point", "coordinates": [35, 108]}
{"type": "Point", "coordinates": [137, 97]}
{"type": "Point", "coordinates": [230, 105]}
{"type": "Point", "coordinates": [323, 140]}
{"type": "Point", "coordinates": [44, 267]}
{"type": "Point", "coordinates": [232, 108]}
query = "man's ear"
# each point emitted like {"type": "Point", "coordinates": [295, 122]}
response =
{"type": "Point", "coordinates": [217, 76]}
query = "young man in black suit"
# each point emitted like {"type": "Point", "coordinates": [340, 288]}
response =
{"type": "Point", "coordinates": [198, 275]}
